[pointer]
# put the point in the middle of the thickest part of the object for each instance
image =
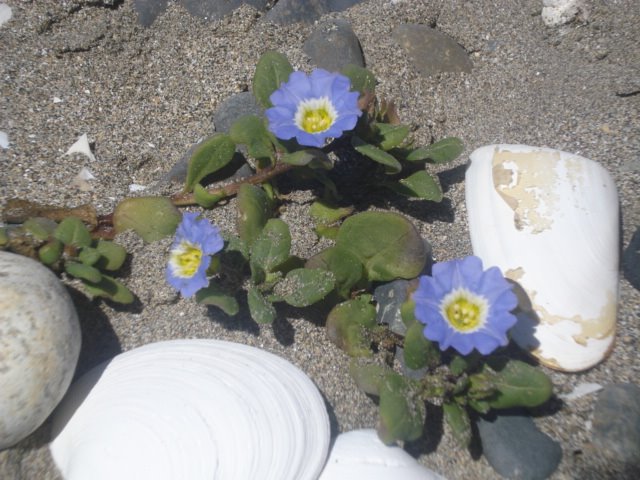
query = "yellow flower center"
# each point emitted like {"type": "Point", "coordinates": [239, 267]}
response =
{"type": "Point", "coordinates": [185, 259]}
{"type": "Point", "coordinates": [315, 115]}
{"type": "Point", "coordinates": [464, 310]}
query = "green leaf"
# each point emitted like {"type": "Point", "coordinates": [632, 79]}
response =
{"type": "Point", "coordinates": [444, 151]}
{"type": "Point", "coordinates": [271, 247]}
{"type": "Point", "coordinates": [392, 135]}
{"type": "Point", "coordinates": [464, 363]}
{"type": "Point", "coordinates": [304, 286]}
{"type": "Point", "coordinates": [112, 255]}
{"type": "Point", "coordinates": [40, 227]}
{"type": "Point", "coordinates": [387, 244]}
{"type": "Point", "coordinates": [272, 69]}
{"type": "Point", "coordinates": [109, 288]}
{"type": "Point", "coordinates": [402, 411]}
{"type": "Point", "coordinates": [305, 157]}
{"type": "Point", "coordinates": [345, 266]}
{"type": "Point", "coordinates": [251, 131]}
{"type": "Point", "coordinates": [368, 375]}
{"type": "Point", "coordinates": [326, 214]}
{"type": "Point", "coordinates": [209, 157]}
{"type": "Point", "coordinates": [362, 80]}
{"type": "Point", "coordinates": [419, 184]}
{"type": "Point", "coordinates": [89, 256]}
{"type": "Point", "coordinates": [261, 310]}
{"type": "Point", "coordinates": [347, 323]}
{"type": "Point", "coordinates": [330, 232]}
{"type": "Point", "coordinates": [253, 212]}
{"type": "Point", "coordinates": [392, 165]}
{"type": "Point", "coordinates": [457, 418]}
{"type": "Point", "coordinates": [204, 198]}
{"type": "Point", "coordinates": [4, 236]}
{"type": "Point", "coordinates": [152, 218]}
{"type": "Point", "coordinates": [71, 231]}
{"type": "Point", "coordinates": [418, 351]}
{"type": "Point", "coordinates": [519, 384]}
{"type": "Point", "coordinates": [212, 295]}
{"type": "Point", "coordinates": [50, 252]}
{"type": "Point", "coordinates": [82, 271]}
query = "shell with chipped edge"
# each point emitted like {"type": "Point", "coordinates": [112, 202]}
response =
{"type": "Point", "coordinates": [549, 220]}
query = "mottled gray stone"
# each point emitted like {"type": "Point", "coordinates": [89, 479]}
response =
{"type": "Point", "coordinates": [430, 50]}
{"type": "Point", "coordinates": [292, 11]}
{"type": "Point", "coordinates": [148, 10]}
{"type": "Point", "coordinates": [616, 424]}
{"type": "Point", "coordinates": [332, 45]}
{"type": "Point", "coordinates": [516, 449]}
{"type": "Point", "coordinates": [390, 297]}
{"type": "Point", "coordinates": [234, 107]}
{"type": "Point", "coordinates": [39, 345]}
{"type": "Point", "coordinates": [216, 9]}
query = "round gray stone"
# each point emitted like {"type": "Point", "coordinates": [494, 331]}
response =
{"type": "Point", "coordinates": [332, 45]}
{"type": "Point", "coordinates": [39, 345]}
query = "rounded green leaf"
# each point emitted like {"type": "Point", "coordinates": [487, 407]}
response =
{"type": "Point", "coordinates": [50, 252]}
{"type": "Point", "coordinates": [305, 157]}
{"type": "Point", "coordinates": [271, 247]}
{"type": "Point", "coordinates": [253, 212]}
{"type": "Point", "coordinates": [204, 198]}
{"type": "Point", "coordinates": [391, 135]}
{"type": "Point", "coordinates": [368, 375]}
{"type": "Point", "coordinates": [418, 351]}
{"type": "Point", "coordinates": [71, 231]}
{"type": "Point", "coordinates": [420, 185]}
{"type": "Point", "coordinates": [40, 227]}
{"type": "Point", "coordinates": [109, 288]}
{"type": "Point", "coordinates": [387, 244]}
{"type": "Point", "coordinates": [272, 70]}
{"type": "Point", "coordinates": [362, 80]}
{"type": "Point", "coordinates": [89, 255]}
{"type": "Point", "coordinates": [402, 411]}
{"type": "Point", "coordinates": [519, 384]}
{"type": "Point", "coordinates": [305, 286]}
{"type": "Point", "coordinates": [82, 271]}
{"type": "Point", "coordinates": [112, 255]}
{"type": "Point", "coordinates": [392, 165]}
{"type": "Point", "coordinates": [260, 308]}
{"type": "Point", "coordinates": [457, 418]}
{"type": "Point", "coordinates": [444, 151]}
{"type": "Point", "coordinates": [152, 218]}
{"type": "Point", "coordinates": [212, 295]}
{"type": "Point", "coordinates": [209, 157]}
{"type": "Point", "coordinates": [347, 322]}
{"type": "Point", "coordinates": [251, 131]}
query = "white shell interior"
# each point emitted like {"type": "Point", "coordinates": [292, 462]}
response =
{"type": "Point", "coordinates": [192, 409]}
{"type": "Point", "coordinates": [549, 220]}
{"type": "Point", "coordinates": [360, 454]}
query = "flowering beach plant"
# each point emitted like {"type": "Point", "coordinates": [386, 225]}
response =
{"type": "Point", "coordinates": [416, 335]}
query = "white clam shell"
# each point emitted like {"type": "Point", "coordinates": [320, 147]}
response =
{"type": "Point", "coordinates": [190, 410]}
{"type": "Point", "coordinates": [39, 345]}
{"type": "Point", "coordinates": [360, 454]}
{"type": "Point", "coordinates": [549, 220]}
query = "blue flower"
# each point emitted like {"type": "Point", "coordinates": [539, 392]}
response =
{"type": "Point", "coordinates": [465, 307]}
{"type": "Point", "coordinates": [196, 240]}
{"type": "Point", "coordinates": [313, 108]}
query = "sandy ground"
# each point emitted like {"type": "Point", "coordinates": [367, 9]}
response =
{"type": "Point", "coordinates": [144, 96]}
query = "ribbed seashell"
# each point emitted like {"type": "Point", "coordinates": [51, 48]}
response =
{"type": "Point", "coordinates": [360, 454]}
{"type": "Point", "coordinates": [549, 220]}
{"type": "Point", "coordinates": [190, 410]}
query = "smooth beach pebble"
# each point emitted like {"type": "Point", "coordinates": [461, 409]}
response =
{"type": "Point", "coordinates": [39, 345]}
{"type": "Point", "coordinates": [549, 220]}
{"type": "Point", "coordinates": [360, 454]}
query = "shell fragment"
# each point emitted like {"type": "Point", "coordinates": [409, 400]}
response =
{"type": "Point", "coordinates": [549, 220]}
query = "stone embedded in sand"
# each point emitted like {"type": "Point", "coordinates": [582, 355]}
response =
{"type": "Point", "coordinates": [5, 13]}
{"type": "Point", "coordinates": [333, 45]}
{"type": "Point", "coordinates": [549, 220]}
{"type": "Point", "coordinates": [559, 12]}
{"type": "Point", "coordinates": [39, 345]}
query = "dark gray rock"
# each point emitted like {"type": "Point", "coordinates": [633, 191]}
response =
{"type": "Point", "coordinates": [390, 298]}
{"type": "Point", "coordinates": [292, 11]}
{"type": "Point", "coordinates": [332, 45]}
{"type": "Point", "coordinates": [516, 449]}
{"type": "Point", "coordinates": [631, 260]}
{"type": "Point", "coordinates": [148, 10]}
{"type": "Point", "coordinates": [234, 107]}
{"type": "Point", "coordinates": [430, 50]}
{"type": "Point", "coordinates": [216, 9]}
{"type": "Point", "coordinates": [616, 424]}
